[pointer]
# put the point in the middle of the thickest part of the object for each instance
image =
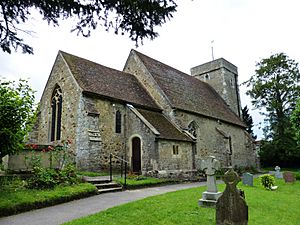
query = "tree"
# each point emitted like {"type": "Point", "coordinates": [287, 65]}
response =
{"type": "Point", "coordinates": [295, 120]}
{"type": "Point", "coordinates": [247, 118]}
{"type": "Point", "coordinates": [16, 115]}
{"type": "Point", "coordinates": [275, 88]}
{"type": "Point", "coordinates": [136, 17]}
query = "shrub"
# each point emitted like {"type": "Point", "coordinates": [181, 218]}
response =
{"type": "Point", "coordinates": [48, 178]}
{"type": "Point", "coordinates": [297, 175]}
{"type": "Point", "coordinates": [43, 178]}
{"type": "Point", "coordinates": [267, 181]}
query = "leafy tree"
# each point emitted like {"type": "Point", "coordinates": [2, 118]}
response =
{"type": "Point", "coordinates": [136, 17]}
{"type": "Point", "coordinates": [275, 88]}
{"type": "Point", "coordinates": [295, 119]}
{"type": "Point", "coordinates": [16, 115]}
{"type": "Point", "coordinates": [247, 118]}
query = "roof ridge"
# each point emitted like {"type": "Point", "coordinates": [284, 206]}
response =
{"type": "Point", "coordinates": [91, 61]}
{"type": "Point", "coordinates": [164, 64]}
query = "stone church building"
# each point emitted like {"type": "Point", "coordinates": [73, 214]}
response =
{"type": "Point", "coordinates": [157, 117]}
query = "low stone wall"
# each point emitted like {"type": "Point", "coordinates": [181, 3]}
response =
{"type": "Point", "coordinates": [18, 161]}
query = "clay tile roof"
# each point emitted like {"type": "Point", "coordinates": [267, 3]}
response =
{"type": "Point", "coordinates": [166, 129]}
{"type": "Point", "coordinates": [102, 81]}
{"type": "Point", "coordinates": [188, 93]}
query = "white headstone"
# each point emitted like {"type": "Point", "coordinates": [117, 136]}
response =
{"type": "Point", "coordinates": [210, 197]}
{"type": "Point", "coordinates": [278, 174]}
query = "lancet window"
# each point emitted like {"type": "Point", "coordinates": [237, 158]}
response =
{"type": "Point", "coordinates": [56, 111]}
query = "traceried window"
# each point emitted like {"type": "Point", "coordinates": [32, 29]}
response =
{"type": "Point", "coordinates": [56, 111]}
{"type": "Point", "coordinates": [118, 122]}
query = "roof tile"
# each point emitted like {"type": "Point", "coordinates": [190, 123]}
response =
{"type": "Point", "coordinates": [101, 80]}
{"type": "Point", "coordinates": [188, 93]}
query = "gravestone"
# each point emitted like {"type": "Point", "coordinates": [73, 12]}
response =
{"type": "Point", "coordinates": [247, 179]}
{"type": "Point", "coordinates": [278, 174]}
{"type": "Point", "coordinates": [231, 208]}
{"type": "Point", "coordinates": [289, 177]}
{"type": "Point", "coordinates": [211, 195]}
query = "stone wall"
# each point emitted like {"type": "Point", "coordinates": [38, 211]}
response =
{"type": "Point", "coordinates": [213, 139]}
{"type": "Point", "coordinates": [181, 160]}
{"type": "Point", "coordinates": [137, 68]}
{"type": "Point", "coordinates": [61, 76]}
{"type": "Point", "coordinates": [149, 152]}
{"type": "Point", "coordinates": [223, 77]}
{"type": "Point", "coordinates": [21, 161]}
{"type": "Point", "coordinates": [96, 134]}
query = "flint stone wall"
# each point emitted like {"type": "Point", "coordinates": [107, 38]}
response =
{"type": "Point", "coordinates": [210, 141]}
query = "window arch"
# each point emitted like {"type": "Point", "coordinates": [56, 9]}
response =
{"type": "Point", "coordinates": [56, 111]}
{"type": "Point", "coordinates": [118, 122]}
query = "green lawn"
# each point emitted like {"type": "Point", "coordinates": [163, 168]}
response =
{"type": "Point", "coordinates": [142, 181]}
{"type": "Point", "coordinates": [18, 200]}
{"type": "Point", "coordinates": [280, 207]}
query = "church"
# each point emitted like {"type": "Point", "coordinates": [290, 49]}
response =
{"type": "Point", "coordinates": [156, 117]}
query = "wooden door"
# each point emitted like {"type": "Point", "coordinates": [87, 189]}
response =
{"type": "Point", "coordinates": [136, 155]}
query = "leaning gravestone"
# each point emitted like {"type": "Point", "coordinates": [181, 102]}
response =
{"type": "Point", "coordinates": [247, 179]}
{"type": "Point", "coordinates": [231, 208]}
{"type": "Point", "coordinates": [278, 174]}
{"type": "Point", "coordinates": [289, 177]}
{"type": "Point", "coordinates": [211, 195]}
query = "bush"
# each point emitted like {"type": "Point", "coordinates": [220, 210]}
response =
{"type": "Point", "coordinates": [267, 181]}
{"type": "Point", "coordinates": [48, 178]}
{"type": "Point", "coordinates": [297, 175]}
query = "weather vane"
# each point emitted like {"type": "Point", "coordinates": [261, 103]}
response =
{"type": "Point", "coordinates": [212, 49]}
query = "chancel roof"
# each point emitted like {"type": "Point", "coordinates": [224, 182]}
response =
{"type": "Point", "coordinates": [106, 82]}
{"type": "Point", "coordinates": [188, 93]}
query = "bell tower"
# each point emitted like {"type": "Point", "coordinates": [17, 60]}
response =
{"type": "Point", "coordinates": [223, 77]}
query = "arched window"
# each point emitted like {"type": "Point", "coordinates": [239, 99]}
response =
{"type": "Point", "coordinates": [118, 122]}
{"type": "Point", "coordinates": [192, 128]}
{"type": "Point", "coordinates": [56, 110]}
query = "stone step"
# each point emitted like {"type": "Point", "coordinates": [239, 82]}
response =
{"type": "Point", "coordinates": [106, 190]}
{"type": "Point", "coordinates": [107, 185]}
{"type": "Point", "coordinates": [96, 180]}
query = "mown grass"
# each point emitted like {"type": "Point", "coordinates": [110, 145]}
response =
{"type": "Point", "coordinates": [265, 208]}
{"type": "Point", "coordinates": [13, 201]}
{"type": "Point", "coordinates": [142, 181]}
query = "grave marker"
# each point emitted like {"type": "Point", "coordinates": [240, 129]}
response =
{"type": "Point", "coordinates": [278, 174]}
{"type": "Point", "coordinates": [210, 197]}
{"type": "Point", "coordinates": [289, 177]}
{"type": "Point", "coordinates": [247, 179]}
{"type": "Point", "coordinates": [231, 208]}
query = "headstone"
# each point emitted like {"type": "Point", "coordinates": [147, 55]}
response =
{"type": "Point", "coordinates": [231, 208]}
{"type": "Point", "coordinates": [211, 195]}
{"type": "Point", "coordinates": [278, 174]}
{"type": "Point", "coordinates": [247, 179]}
{"type": "Point", "coordinates": [272, 172]}
{"type": "Point", "coordinates": [289, 177]}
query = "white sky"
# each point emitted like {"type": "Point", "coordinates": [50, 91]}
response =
{"type": "Point", "coordinates": [244, 32]}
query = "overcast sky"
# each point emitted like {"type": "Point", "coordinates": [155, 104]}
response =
{"type": "Point", "coordinates": [243, 31]}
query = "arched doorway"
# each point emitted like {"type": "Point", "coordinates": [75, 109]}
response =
{"type": "Point", "coordinates": [136, 155]}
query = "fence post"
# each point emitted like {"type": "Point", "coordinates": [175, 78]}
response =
{"type": "Point", "coordinates": [110, 167]}
{"type": "Point", "coordinates": [125, 174]}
